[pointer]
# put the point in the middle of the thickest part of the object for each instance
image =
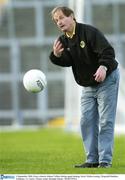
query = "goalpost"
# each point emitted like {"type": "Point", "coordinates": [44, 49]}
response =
{"type": "Point", "coordinates": [72, 90]}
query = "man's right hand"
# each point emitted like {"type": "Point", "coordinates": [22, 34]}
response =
{"type": "Point", "coordinates": [57, 48]}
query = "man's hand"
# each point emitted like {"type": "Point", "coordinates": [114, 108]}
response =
{"type": "Point", "coordinates": [100, 74]}
{"type": "Point", "coordinates": [57, 48]}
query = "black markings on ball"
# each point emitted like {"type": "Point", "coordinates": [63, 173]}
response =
{"type": "Point", "coordinates": [39, 84]}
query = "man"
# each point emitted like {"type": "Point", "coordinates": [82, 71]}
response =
{"type": "Point", "coordinates": [93, 63]}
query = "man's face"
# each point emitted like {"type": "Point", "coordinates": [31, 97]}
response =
{"type": "Point", "coordinates": [63, 22]}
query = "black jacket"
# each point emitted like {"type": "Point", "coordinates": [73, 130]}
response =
{"type": "Point", "coordinates": [85, 52]}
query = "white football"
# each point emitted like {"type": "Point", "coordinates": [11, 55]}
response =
{"type": "Point", "coordinates": [34, 80]}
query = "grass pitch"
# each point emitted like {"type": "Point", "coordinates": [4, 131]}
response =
{"type": "Point", "coordinates": [51, 151]}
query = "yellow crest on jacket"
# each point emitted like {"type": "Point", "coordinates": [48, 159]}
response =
{"type": "Point", "coordinates": [82, 44]}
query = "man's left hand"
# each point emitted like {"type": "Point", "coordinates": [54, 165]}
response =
{"type": "Point", "coordinates": [100, 74]}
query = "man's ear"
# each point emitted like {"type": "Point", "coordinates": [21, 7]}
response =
{"type": "Point", "coordinates": [72, 15]}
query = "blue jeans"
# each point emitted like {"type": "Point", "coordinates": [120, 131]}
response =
{"type": "Point", "coordinates": [98, 112]}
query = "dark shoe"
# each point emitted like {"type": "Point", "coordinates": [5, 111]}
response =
{"type": "Point", "coordinates": [104, 165]}
{"type": "Point", "coordinates": [87, 165]}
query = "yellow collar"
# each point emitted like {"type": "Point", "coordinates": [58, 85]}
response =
{"type": "Point", "coordinates": [70, 35]}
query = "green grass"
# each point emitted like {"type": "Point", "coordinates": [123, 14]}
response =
{"type": "Point", "coordinates": [51, 151]}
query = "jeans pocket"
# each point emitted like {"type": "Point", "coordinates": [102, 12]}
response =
{"type": "Point", "coordinates": [114, 76]}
